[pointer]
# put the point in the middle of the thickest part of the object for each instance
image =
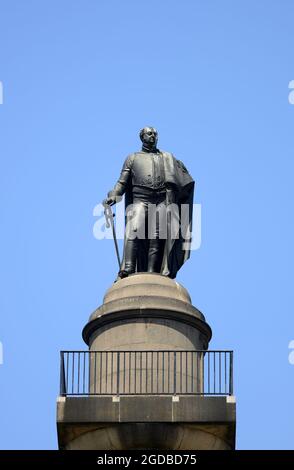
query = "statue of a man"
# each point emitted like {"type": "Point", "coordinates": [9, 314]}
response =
{"type": "Point", "coordinates": [159, 203]}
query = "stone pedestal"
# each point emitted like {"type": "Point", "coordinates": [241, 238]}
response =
{"type": "Point", "coordinates": [145, 312]}
{"type": "Point", "coordinates": [152, 314]}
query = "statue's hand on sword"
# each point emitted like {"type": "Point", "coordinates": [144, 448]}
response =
{"type": "Point", "coordinates": [109, 201]}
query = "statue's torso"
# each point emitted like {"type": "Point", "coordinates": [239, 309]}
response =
{"type": "Point", "coordinates": [148, 170]}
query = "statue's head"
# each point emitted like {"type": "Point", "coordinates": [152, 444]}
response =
{"type": "Point", "coordinates": [149, 136]}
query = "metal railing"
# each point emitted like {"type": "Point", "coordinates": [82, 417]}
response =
{"type": "Point", "coordinates": [84, 373]}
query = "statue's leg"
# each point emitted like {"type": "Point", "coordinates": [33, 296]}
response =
{"type": "Point", "coordinates": [142, 237]}
{"type": "Point", "coordinates": [155, 255]}
{"type": "Point", "coordinates": [130, 256]}
{"type": "Point", "coordinates": [157, 238]}
{"type": "Point", "coordinates": [135, 233]}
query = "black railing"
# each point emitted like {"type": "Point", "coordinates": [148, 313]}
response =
{"type": "Point", "coordinates": [84, 373]}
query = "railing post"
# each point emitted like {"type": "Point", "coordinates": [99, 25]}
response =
{"type": "Point", "coordinates": [62, 376]}
{"type": "Point", "coordinates": [117, 373]}
{"type": "Point", "coordinates": [231, 373]}
{"type": "Point", "coordinates": [202, 371]}
{"type": "Point", "coordinates": [175, 372]}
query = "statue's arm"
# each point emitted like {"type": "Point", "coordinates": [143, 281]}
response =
{"type": "Point", "coordinates": [119, 189]}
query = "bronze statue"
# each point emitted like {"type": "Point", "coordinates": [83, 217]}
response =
{"type": "Point", "coordinates": [158, 197]}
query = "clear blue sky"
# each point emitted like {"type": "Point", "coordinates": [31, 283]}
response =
{"type": "Point", "coordinates": [80, 78]}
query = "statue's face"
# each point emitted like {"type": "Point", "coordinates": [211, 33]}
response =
{"type": "Point", "coordinates": [150, 137]}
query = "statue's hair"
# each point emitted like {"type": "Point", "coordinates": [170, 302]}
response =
{"type": "Point", "coordinates": [142, 131]}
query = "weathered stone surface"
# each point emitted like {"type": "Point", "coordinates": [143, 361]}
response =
{"type": "Point", "coordinates": [190, 422]}
{"type": "Point", "coordinates": [146, 311]}
{"type": "Point", "coordinates": [150, 284]}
